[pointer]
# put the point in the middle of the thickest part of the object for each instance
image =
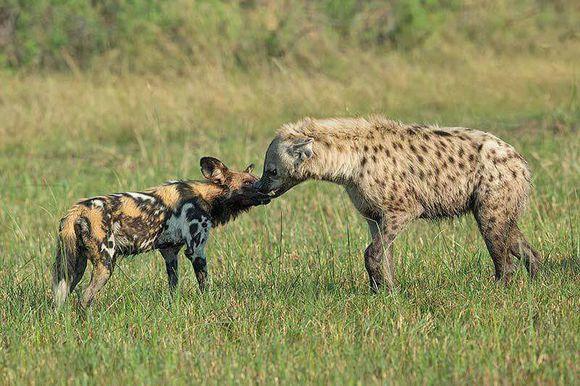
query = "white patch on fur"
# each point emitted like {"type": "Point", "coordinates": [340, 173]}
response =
{"type": "Point", "coordinates": [178, 231]}
{"type": "Point", "coordinates": [106, 248]}
{"type": "Point", "coordinates": [60, 292]}
{"type": "Point", "coordinates": [141, 196]}
{"type": "Point", "coordinates": [98, 203]}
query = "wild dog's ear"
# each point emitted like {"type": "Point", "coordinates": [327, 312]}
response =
{"type": "Point", "coordinates": [249, 169]}
{"type": "Point", "coordinates": [301, 148]}
{"type": "Point", "coordinates": [213, 169]}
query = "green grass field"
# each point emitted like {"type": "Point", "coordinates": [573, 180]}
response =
{"type": "Point", "coordinates": [288, 300]}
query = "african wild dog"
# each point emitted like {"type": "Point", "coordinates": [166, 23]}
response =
{"type": "Point", "coordinates": [395, 173]}
{"type": "Point", "coordinates": [165, 217]}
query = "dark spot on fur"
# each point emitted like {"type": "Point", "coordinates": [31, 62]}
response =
{"type": "Point", "coordinates": [411, 169]}
{"type": "Point", "coordinates": [193, 228]}
{"type": "Point", "coordinates": [461, 165]}
{"type": "Point", "coordinates": [461, 152]}
{"type": "Point", "coordinates": [374, 157]}
{"type": "Point", "coordinates": [366, 148]}
{"type": "Point", "coordinates": [388, 153]}
{"type": "Point", "coordinates": [413, 148]}
{"type": "Point", "coordinates": [363, 161]}
{"type": "Point", "coordinates": [196, 240]}
{"type": "Point", "coordinates": [442, 133]}
{"type": "Point", "coordinates": [424, 148]}
{"type": "Point", "coordinates": [471, 158]}
{"type": "Point", "coordinates": [192, 214]}
{"type": "Point", "coordinates": [420, 158]}
{"type": "Point", "coordinates": [421, 174]}
{"type": "Point", "coordinates": [451, 159]}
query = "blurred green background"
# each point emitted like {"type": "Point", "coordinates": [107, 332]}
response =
{"type": "Point", "coordinates": [172, 36]}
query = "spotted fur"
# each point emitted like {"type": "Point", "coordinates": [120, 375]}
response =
{"type": "Point", "coordinates": [395, 173]}
{"type": "Point", "coordinates": [166, 217]}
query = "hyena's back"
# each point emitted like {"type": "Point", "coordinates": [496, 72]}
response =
{"type": "Point", "coordinates": [435, 172]}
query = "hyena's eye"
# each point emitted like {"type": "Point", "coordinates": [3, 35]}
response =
{"type": "Point", "coordinates": [274, 172]}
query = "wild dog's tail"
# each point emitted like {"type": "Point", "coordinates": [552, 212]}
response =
{"type": "Point", "coordinates": [70, 262]}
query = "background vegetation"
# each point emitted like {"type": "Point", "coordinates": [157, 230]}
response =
{"type": "Point", "coordinates": [106, 96]}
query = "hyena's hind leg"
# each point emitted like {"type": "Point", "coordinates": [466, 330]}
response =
{"type": "Point", "coordinates": [102, 256]}
{"type": "Point", "coordinates": [170, 255]}
{"type": "Point", "coordinates": [520, 248]}
{"type": "Point", "coordinates": [495, 225]}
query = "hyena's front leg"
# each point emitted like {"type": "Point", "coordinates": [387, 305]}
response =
{"type": "Point", "coordinates": [171, 265]}
{"type": "Point", "coordinates": [378, 255]}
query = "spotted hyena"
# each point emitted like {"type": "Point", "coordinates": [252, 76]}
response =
{"type": "Point", "coordinates": [166, 217]}
{"type": "Point", "coordinates": [395, 173]}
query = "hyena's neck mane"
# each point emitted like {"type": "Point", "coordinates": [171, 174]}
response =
{"type": "Point", "coordinates": [341, 146]}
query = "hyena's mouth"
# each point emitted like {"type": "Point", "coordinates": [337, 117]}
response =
{"type": "Point", "coordinates": [277, 192]}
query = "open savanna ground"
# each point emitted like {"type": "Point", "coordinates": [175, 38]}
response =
{"type": "Point", "coordinates": [288, 300]}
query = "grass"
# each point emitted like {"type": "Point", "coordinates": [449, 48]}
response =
{"type": "Point", "coordinates": [288, 301]}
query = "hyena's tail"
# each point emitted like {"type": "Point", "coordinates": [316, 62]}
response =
{"type": "Point", "coordinates": [71, 261]}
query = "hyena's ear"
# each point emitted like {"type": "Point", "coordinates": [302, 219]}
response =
{"type": "Point", "coordinates": [249, 169]}
{"type": "Point", "coordinates": [214, 170]}
{"type": "Point", "coordinates": [301, 149]}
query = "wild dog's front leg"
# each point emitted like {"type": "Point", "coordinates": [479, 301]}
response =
{"type": "Point", "coordinates": [200, 267]}
{"type": "Point", "coordinates": [171, 265]}
{"type": "Point", "coordinates": [195, 252]}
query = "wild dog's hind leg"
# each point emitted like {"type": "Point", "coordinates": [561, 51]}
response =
{"type": "Point", "coordinates": [171, 265]}
{"type": "Point", "coordinates": [102, 256]}
{"type": "Point", "coordinates": [520, 248]}
{"type": "Point", "coordinates": [378, 255]}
